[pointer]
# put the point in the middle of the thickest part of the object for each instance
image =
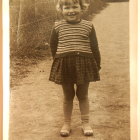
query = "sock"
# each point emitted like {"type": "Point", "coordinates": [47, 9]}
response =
{"type": "Point", "coordinates": [67, 108]}
{"type": "Point", "coordinates": [85, 118]}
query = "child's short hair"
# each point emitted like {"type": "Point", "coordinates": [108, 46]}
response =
{"type": "Point", "coordinates": [60, 3]}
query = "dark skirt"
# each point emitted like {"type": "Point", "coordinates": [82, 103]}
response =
{"type": "Point", "coordinates": [74, 69]}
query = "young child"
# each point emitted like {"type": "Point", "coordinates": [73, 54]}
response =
{"type": "Point", "coordinates": [76, 57]}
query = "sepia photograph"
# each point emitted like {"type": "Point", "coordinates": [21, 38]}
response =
{"type": "Point", "coordinates": [69, 70]}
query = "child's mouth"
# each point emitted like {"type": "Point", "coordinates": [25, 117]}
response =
{"type": "Point", "coordinates": [72, 14]}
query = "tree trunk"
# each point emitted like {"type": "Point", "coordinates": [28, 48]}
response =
{"type": "Point", "coordinates": [14, 16]}
{"type": "Point", "coordinates": [27, 27]}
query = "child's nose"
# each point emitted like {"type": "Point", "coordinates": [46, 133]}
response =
{"type": "Point", "coordinates": [71, 10]}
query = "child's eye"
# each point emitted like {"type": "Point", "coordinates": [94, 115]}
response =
{"type": "Point", "coordinates": [74, 7]}
{"type": "Point", "coordinates": [66, 7]}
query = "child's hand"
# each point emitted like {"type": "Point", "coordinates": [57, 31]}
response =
{"type": "Point", "coordinates": [99, 68]}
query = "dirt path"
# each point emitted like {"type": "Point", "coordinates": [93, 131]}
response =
{"type": "Point", "coordinates": [36, 104]}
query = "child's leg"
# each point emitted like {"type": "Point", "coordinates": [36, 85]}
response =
{"type": "Point", "coordinates": [69, 93]}
{"type": "Point", "coordinates": [82, 94]}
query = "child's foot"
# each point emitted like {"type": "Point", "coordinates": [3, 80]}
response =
{"type": "Point", "coordinates": [87, 130]}
{"type": "Point", "coordinates": [65, 131]}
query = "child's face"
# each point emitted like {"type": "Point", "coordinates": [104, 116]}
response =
{"type": "Point", "coordinates": [72, 12]}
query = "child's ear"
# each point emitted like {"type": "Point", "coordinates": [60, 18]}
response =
{"type": "Point", "coordinates": [85, 7]}
{"type": "Point", "coordinates": [57, 7]}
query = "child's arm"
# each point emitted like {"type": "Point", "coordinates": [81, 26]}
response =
{"type": "Point", "coordinates": [53, 42]}
{"type": "Point", "coordinates": [95, 48]}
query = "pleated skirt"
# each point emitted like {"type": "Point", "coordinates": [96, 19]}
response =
{"type": "Point", "coordinates": [74, 69]}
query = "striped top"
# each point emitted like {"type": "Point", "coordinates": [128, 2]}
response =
{"type": "Point", "coordinates": [74, 39]}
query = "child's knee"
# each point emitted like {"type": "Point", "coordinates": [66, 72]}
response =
{"type": "Point", "coordinates": [82, 91]}
{"type": "Point", "coordinates": [82, 97]}
{"type": "Point", "coordinates": [69, 98]}
{"type": "Point", "coordinates": [69, 92]}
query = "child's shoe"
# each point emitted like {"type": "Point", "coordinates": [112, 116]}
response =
{"type": "Point", "coordinates": [87, 130]}
{"type": "Point", "coordinates": [65, 131]}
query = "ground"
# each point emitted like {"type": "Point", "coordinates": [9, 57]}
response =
{"type": "Point", "coordinates": [36, 103]}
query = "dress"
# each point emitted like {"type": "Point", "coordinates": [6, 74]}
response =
{"type": "Point", "coordinates": [75, 51]}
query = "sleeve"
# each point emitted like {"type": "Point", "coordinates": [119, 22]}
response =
{"type": "Point", "coordinates": [95, 48]}
{"type": "Point", "coordinates": [53, 42]}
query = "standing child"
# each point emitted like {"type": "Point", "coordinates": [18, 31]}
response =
{"type": "Point", "coordinates": [76, 57]}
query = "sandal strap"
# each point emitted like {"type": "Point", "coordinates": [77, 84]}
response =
{"type": "Point", "coordinates": [87, 130]}
{"type": "Point", "coordinates": [65, 131]}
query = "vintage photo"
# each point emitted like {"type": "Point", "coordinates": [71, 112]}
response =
{"type": "Point", "coordinates": [69, 70]}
